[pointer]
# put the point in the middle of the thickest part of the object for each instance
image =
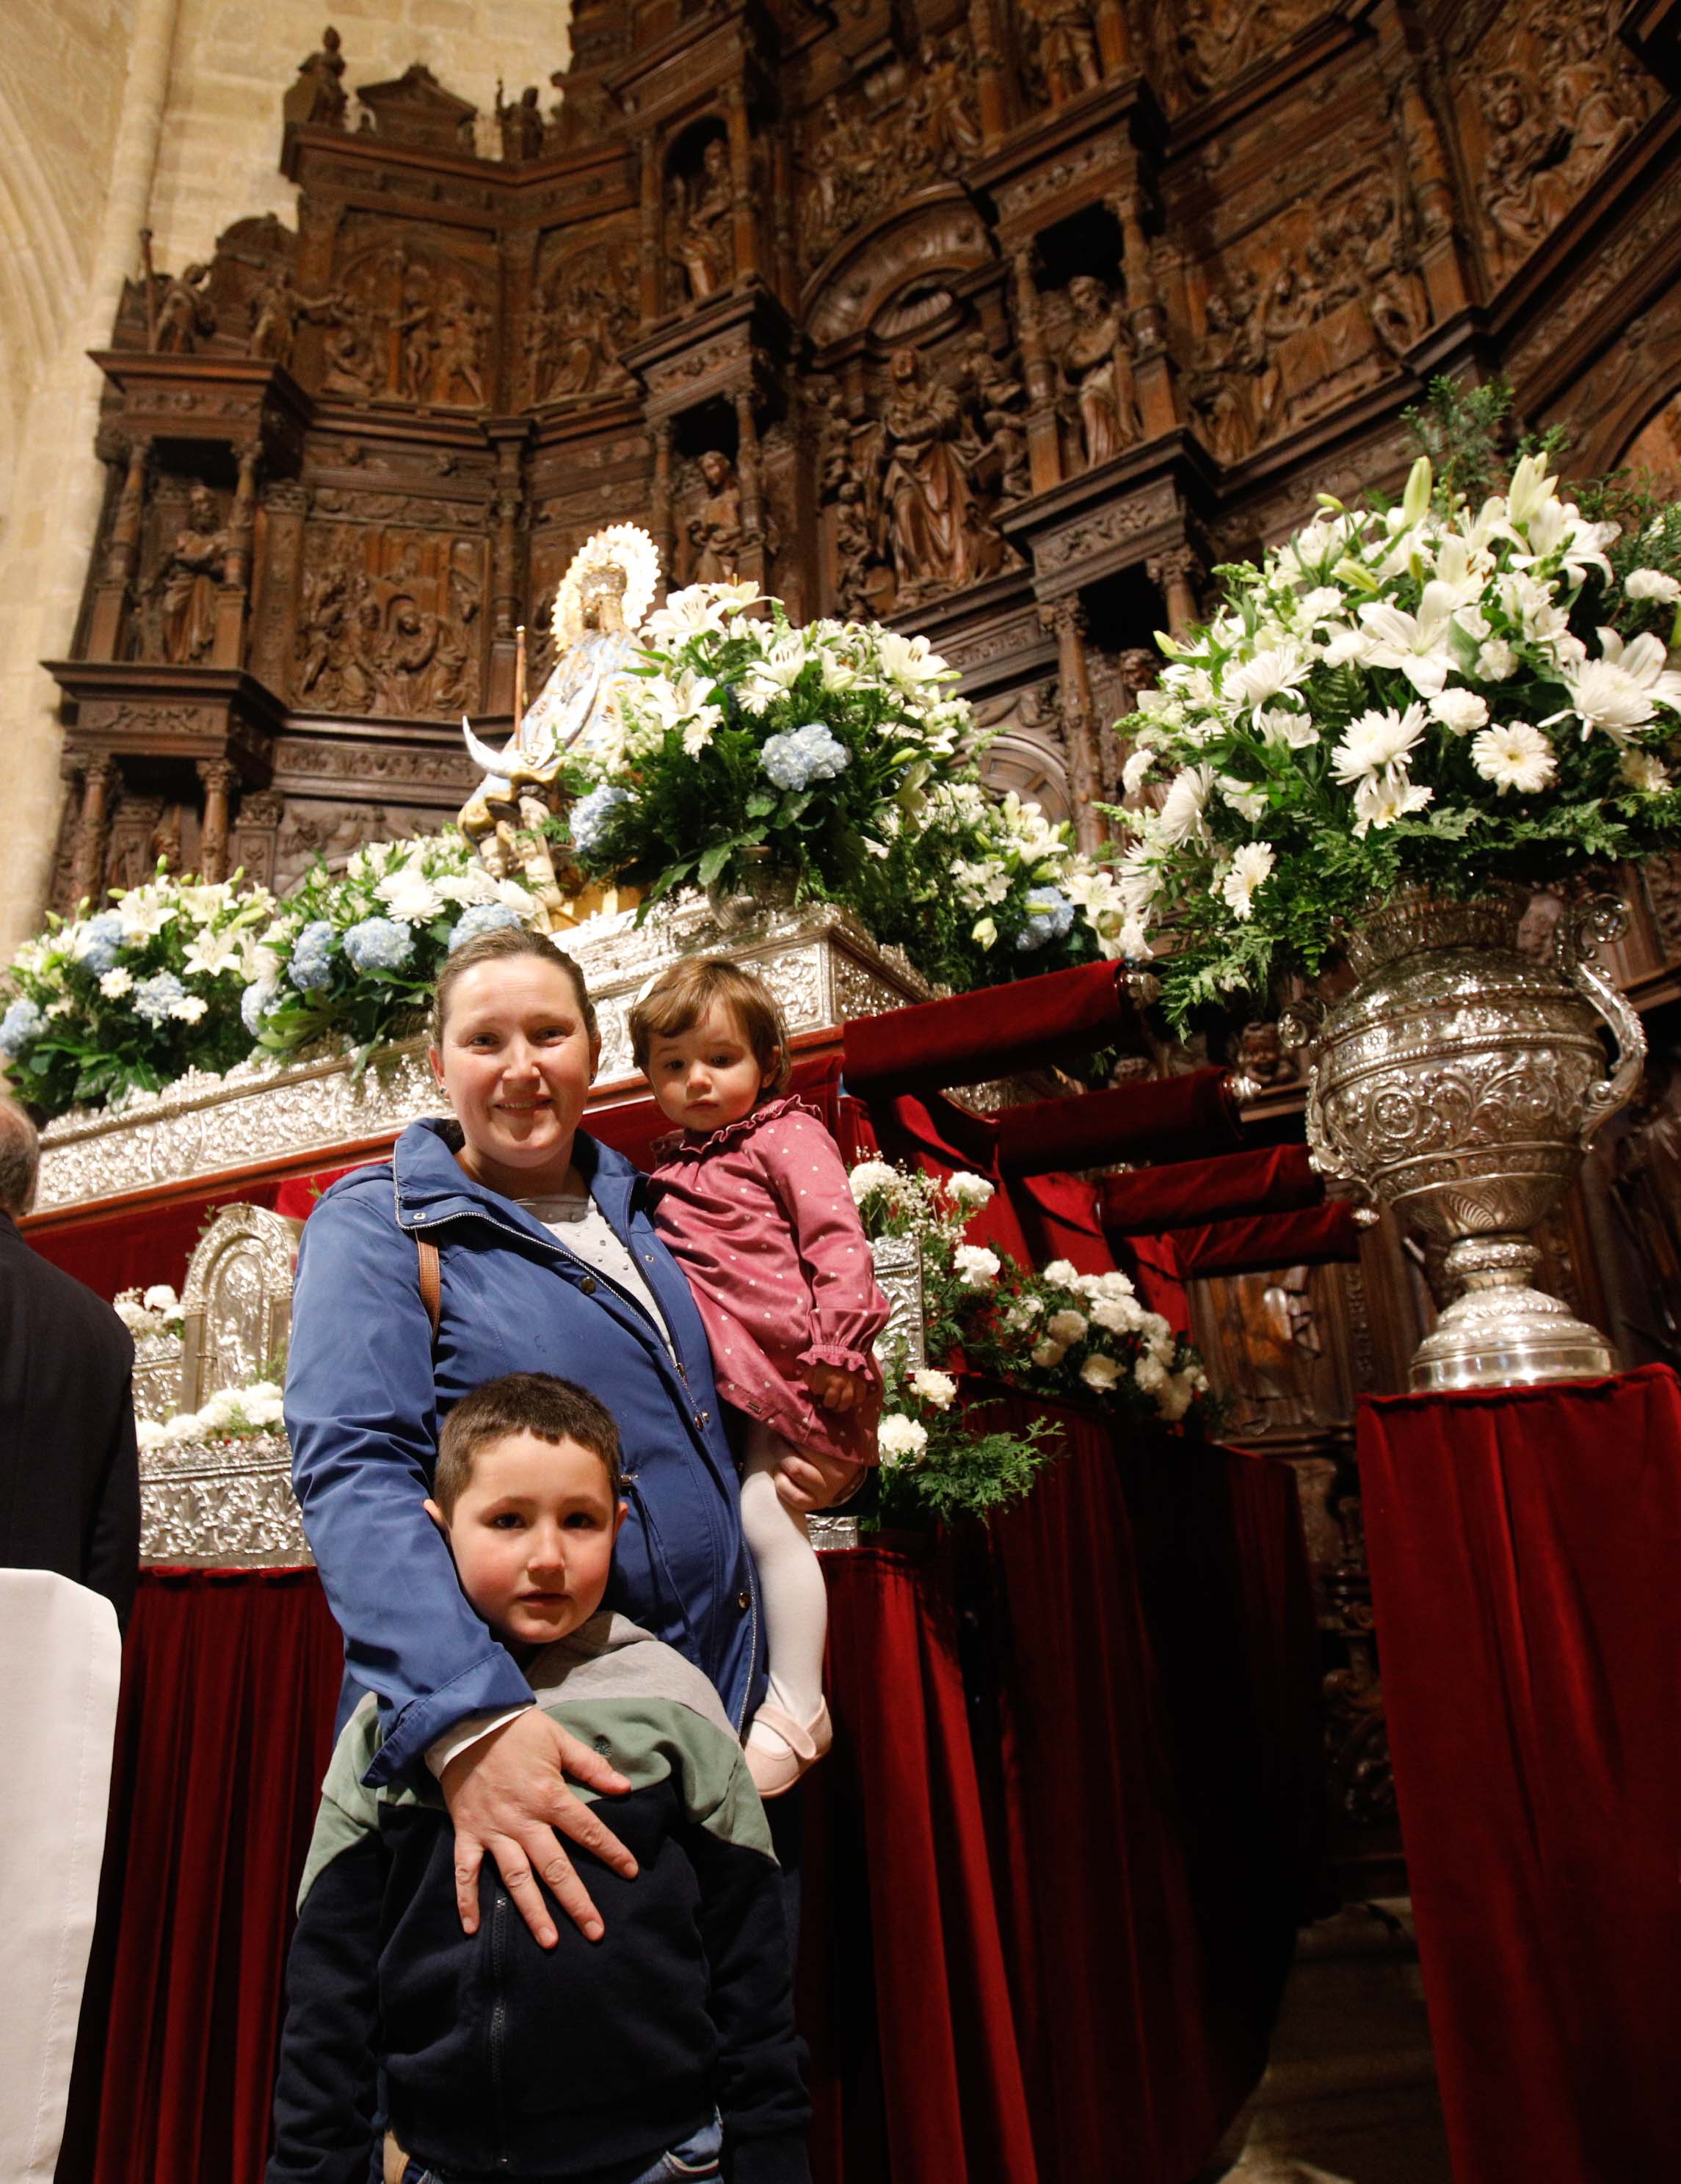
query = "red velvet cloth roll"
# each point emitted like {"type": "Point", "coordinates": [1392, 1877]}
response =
{"type": "Point", "coordinates": [1162, 1118]}
{"type": "Point", "coordinates": [999, 1032]}
{"type": "Point", "coordinates": [1312, 1236]}
{"type": "Point", "coordinates": [1524, 1547]}
{"type": "Point", "coordinates": [1275, 1179]}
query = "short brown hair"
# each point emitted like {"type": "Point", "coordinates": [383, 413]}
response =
{"type": "Point", "coordinates": [677, 999]}
{"type": "Point", "coordinates": [538, 1403]}
{"type": "Point", "coordinates": [504, 941]}
{"type": "Point", "coordinates": [20, 1158]}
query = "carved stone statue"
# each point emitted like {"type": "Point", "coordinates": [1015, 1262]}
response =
{"type": "Point", "coordinates": [351, 366]}
{"type": "Point", "coordinates": [189, 580]}
{"type": "Point", "coordinates": [318, 99]}
{"type": "Point", "coordinates": [459, 349]}
{"type": "Point", "coordinates": [715, 530]}
{"type": "Point", "coordinates": [998, 463]}
{"type": "Point", "coordinates": [1063, 46]}
{"type": "Point", "coordinates": [276, 312]}
{"type": "Point", "coordinates": [703, 247]}
{"type": "Point", "coordinates": [521, 126]}
{"type": "Point", "coordinates": [185, 313]}
{"type": "Point", "coordinates": [1097, 364]}
{"type": "Point", "coordinates": [942, 108]}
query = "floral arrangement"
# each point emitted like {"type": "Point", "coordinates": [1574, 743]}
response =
{"type": "Point", "coordinates": [134, 996]}
{"type": "Point", "coordinates": [230, 1414]}
{"type": "Point", "coordinates": [1052, 1332]}
{"type": "Point", "coordinates": [355, 955]}
{"type": "Point", "coordinates": [839, 752]}
{"type": "Point", "coordinates": [156, 1310]}
{"type": "Point", "coordinates": [1435, 694]}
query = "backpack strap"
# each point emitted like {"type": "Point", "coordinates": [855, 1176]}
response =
{"type": "Point", "coordinates": [431, 1282]}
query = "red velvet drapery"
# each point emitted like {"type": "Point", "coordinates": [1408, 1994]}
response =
{"type": "Point", "coordinates": [1525, 1545]}
{"type": "Point", "coordinates": [998, 1032]}
{"type": "Point", "coordinates": [1053, 1869]}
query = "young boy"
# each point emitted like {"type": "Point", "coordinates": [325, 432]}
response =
{"type": "Point", "coordinates": [667, 2049]}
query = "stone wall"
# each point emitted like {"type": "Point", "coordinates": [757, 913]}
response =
{"type": "Point", "coordinates": [167, 113]}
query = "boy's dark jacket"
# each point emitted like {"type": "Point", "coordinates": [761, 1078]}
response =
{"type": "Point", "coordinates": [502, 2059]}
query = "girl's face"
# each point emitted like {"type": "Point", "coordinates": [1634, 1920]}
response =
{"type": "Point", "coordinates": [515, 1061]}
{"type": "Point", "coordinates": [708, 1075]}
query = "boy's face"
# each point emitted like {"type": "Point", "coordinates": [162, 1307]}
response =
{"type": "Point", "coordinates": [533, 1536]}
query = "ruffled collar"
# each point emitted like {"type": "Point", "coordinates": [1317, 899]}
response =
{"type": "Point", "coordinates": [685, 1145]}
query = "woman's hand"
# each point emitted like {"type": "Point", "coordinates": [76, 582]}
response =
{"type": "Point", "coordinates": [808, 1480]}
{"type": "Point", "coordinates": [507, 1795]}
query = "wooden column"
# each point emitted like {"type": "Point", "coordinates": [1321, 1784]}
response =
{"type": "Point", "coordinates": [1175, 574]}
{"type": "Point", "coordinates": [660, 509]}
{"type": "Point", "coordinates": [228, 646]}
{"type": "Point", "coordinates": [122, 554]}
{"type": "Point", "coordinates": [1114, 41]}
{"type": "Point", "coordinates": [651, 229]}
{"type": "Point", "coordinates": [989, 73]}
{"type": "Point", "coordinates": [746, 227]}
{"type": "Point", "coordinates": [1067, 617]}
{"type": "Point", "coordinates": [750, 469]}
{"type": "Point", "coordinates": [221, 777]}
{"type": "Point", "coordinates": [100, 779]}
{"type": "Point", "coordinates": [1039, 376]}
{"type": "Point", "coordinates": [286, 505]}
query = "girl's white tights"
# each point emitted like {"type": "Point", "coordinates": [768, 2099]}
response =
{"type": "Point", "coordinates": [790, 1585]}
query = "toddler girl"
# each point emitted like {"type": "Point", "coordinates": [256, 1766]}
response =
{"type": "Point", "coordinates": [753, 1202]}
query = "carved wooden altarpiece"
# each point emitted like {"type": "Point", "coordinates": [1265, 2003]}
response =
{"type": "Point", "coordinates": [1005, 321]}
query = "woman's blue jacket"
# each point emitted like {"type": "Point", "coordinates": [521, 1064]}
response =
{"type": "Point", "coordinates": [365, 1394]}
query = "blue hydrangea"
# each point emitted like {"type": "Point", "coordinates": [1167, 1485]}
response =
{"type": "Point", "coordinates": [1050, 915]}
{"type": "Point", "coordinates": [21, 1022]}
{"type": "Point", "coordinates": [799, 756]}
{"type": "Point", "coordinates": [378, 944]}
{"type": "Point", "coordinates": [483, 917]}
{"type": "Point", "coordinates": [100, 942]}
{"type": "Point", "coordinates": [153, 998]}
{"type": "Point", "coordinates": [311, 966]}
{"type": "Point", "coordinates": [591, 813]}
{"type": "Point", "coordinates": [255, 1003]}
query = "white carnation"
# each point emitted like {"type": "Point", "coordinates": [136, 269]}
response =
{"type": "Point", "coordinates": [869, 1177]}
{"type": "Point", "coordinates": [969, 1189]}
{"type": "Point", "coordinates": [1651, 584]}
{"type": "Point", "coordinates": [1066, 1327]}
{"type": "Point", "coordinates": [1100, 1373]}
{"type": "Point", "coordinates": [160, 1297]}
{"type": "Point", "coordinates": [899, 1439]}
{"type": "Point", "coordinates": [975, 1267]}
{"type": "Point", "coordinates": [1119, 1315]}
{"type": "Point", "coordinates": [1047, 1353]}
{"type": "Point", "coordinates": [939, 1388]}
{"type": "Point", "coordinates": [1460, 712]}
{"type": "Point", "coordinates": [1150, 1373]}
{"type": "Point", "coordinates": [1063, 1274]}
{"type": "Point", "coordinates": [1642, 770]}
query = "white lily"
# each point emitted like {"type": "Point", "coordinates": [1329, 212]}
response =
{"type": "Point", "coordinates": [1418, 644]}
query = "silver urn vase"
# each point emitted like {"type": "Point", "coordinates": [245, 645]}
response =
{"type": "Point", "coordinates": [1459, 1083]}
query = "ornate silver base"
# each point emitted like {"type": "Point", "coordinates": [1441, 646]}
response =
{"type": "Point", "coordinates": [1500, 1332]}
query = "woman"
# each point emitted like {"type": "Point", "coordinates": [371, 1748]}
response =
{"type": "Point", "coordinates": [547, 1261]}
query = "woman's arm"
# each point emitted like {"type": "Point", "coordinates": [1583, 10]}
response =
{"type": "Point", "coordinates": [361, 1412]}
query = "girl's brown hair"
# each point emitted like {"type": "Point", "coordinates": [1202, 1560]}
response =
{"type": "Point", "coordinates": [677, 999]}
{"type": "Point", "coordinates": [494, 947]}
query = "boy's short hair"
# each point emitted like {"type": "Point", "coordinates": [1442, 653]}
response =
{"type": "Point", "coordinates": [678, 998]}
{"type": "Point", "coordinates": [555, 1410]}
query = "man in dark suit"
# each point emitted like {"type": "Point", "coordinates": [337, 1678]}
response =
{"type": "Point", "coordinates": [69, 1478]}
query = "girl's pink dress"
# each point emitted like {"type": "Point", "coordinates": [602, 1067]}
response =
{"type": "Point", "coordinates": [758, 1215]}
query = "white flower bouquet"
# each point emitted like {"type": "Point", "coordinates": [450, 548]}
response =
{"type": "Point", "coordinates": [1052, 1332]}
{"type": "Point", "coordinates": [1432, 694]}
{"type": "Point", "coordinates": [840, 749]}
{"type": "Point", "coordinates": [355, 955]}
{"type": "Point", "coordinates": [154, 1310]}
{"type": "Point", "coordinates": [128, 999]}
{"type": "Point", "coordinates": [230, 1414]}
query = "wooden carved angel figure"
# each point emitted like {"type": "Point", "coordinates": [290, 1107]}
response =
{"type": "Point", "coordinates": [598, 608]}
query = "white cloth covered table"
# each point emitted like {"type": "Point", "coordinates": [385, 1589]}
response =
{"type": "Point", "coordinates": [60, 1665]}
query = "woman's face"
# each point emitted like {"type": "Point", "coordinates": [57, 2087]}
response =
{"type": "Point", "coordinates": [516, 1062]}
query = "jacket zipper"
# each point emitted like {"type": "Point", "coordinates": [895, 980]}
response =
{"type": "Point", "coordinates": [498, 2025]}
